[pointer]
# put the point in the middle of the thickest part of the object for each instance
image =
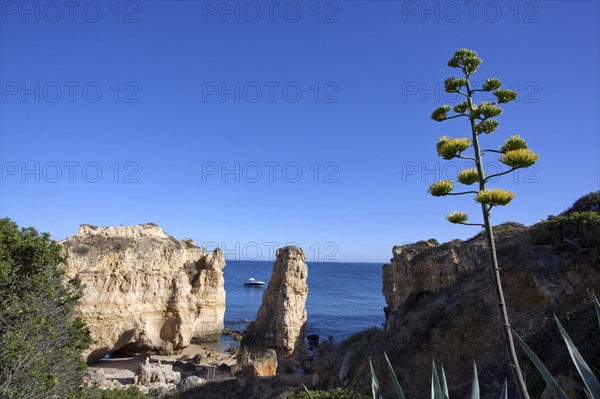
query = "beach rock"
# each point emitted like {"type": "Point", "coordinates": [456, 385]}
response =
{"type": "Point", "coordinates": [232, 333]}
{"type": "Point", "coordinates": [256, 363]}
{"type": "Point", "coordinates": [224, 367]}
{"type": "Point", "coordinates": [198, 358]}
{"type": "Point", "coordinates": [184, 366]}
{"type": "Point", "coordinates": [190, 382]}
{"type": "Point", "coordinates": [151, 373]}
{"type": "Point", "coordinates": [143, 290]}
{"type": "Point", "coordinates": [281, 320]}
{"type": "Point", "coordinates": [233, 350]}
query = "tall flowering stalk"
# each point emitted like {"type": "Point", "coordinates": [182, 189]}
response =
{"type": "Point", "coordinates": [514, 153]}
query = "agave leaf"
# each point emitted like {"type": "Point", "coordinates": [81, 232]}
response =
{"type": "Point", "coordinates": [557, 392]}
{"type": "Point", "coordinates": [374, 382]}
{"type": "Point", "coordinates": [436, 388]}
{"type": "Point", "coordinates": [597, 309]}
{"type": "Point", "coordinates": [395, 382]}
{"type": "Point", "coordinates": [475, 384]}
{"type": "Point", "coordinates": [444, 384]}
{"type": "Point", "coordinates": [589, 379]}
{"type": "Point", "coordinates": [504, 393]}
{"type": "Point", "coordinates": [307, 391]}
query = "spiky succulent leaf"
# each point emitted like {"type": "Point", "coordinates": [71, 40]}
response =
{"type": "Point", "coordinates": [468, 176]}
{"type": "Point", "coordinates": [487, 126]}
{"type": "Point", "coordinates": [495, 197]}
{"type": "Point", "coordinates": [475, 383]}
{"type": "Point", "coordinates": [589, 379]}
{"type": "Point", "coordinates": [557, 391]}
{"type": "Point", "coordinates": [453, 85]}
{"type": "Point", "coordinates": [504, 394]}
{"type": "Point", "coordinates": [461, 107]}
{"type": "Point", "coordinates": [441, 188]}
{"type": "Point", "coordinates": [513, 143]}
{"type": "Point", "coordinates": [486, 111]}
{"type": "Point", "coordinates": [505, 95]}
{"type": "Point", "coordinates": [491, 84]}
{"type": "Point", "coordinates": [444, 384]}
{"type": "Point", "coordinates": [597, 309]}
{"type": "Point", "coordinates": [436, 388]}
{"type": "Point", "coordinates": [397, 387]}
{"type": "Point", "coordinates": [306, 391]}
{"type": "Point", "coordinates": [457, 217]}
{"type": "Point", "coordinates": [449, 148]}
{"type": "Point", "coordinates": [522, 158]}
{"type": "Point", "coordinates": [441, 113]}
{"type": "Point", "coordinates": [374, 382]}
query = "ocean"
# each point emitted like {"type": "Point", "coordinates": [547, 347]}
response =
{"type": "Point", "coordinates": [343, 298]}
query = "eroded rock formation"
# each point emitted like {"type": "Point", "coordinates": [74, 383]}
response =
{"type": "Point", "coordinates": [145, 290]}
{"type": "Point", "coordinates": [441, 304]}
{"type": "Point", "coordinates": [281, 320]}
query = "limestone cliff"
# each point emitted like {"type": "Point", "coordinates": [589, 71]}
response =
{"type": "Point", "coordinates": [281, 320]}
{"type": "Point", "coordinates": [143, 289]}
{"type": "Point", "coordinates": [442, 307]}
{"type": "Point", "coordinates": [441, 304]}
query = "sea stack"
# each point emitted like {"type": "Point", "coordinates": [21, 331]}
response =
{"type": "Point", "coordinates": [281, 320]}
{"type": "Point", "coordinates": [143, 290]}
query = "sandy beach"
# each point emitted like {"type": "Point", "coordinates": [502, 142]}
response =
{"type": "Point", "coordinates": [124, 368]}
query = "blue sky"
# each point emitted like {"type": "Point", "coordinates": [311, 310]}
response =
{"type": "Point", "coordinates": [250, 125]}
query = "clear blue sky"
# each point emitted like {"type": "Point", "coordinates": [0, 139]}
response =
{"type": "Point", "coordinates": [162, 97]}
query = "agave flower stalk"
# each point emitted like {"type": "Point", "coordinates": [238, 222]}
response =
{"type": "Point", "coordinates": [495, 269]}
{"type": "Point", "coordinates": [514, 153]}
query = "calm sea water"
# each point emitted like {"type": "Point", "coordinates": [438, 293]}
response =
{"type": "Point", "coordinates": [343, 298]}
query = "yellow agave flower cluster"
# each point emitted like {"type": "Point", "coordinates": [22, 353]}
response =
{"type": "Point", "coordinates": [516, 154]}
{"type": "Point", "coordinates": [468, 176]}
{"type": "Point", "coordinates": [449, 148]}
{"type": "Point", "coordinates": [457, 217]}
{"type": "Point", "coordinates": [441, 188]}
{"type": "Point", "coordinates": [491, 197]}
{"type": "Point", "coordinates": [494, 196]}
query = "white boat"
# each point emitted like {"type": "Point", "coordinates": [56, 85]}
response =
{"type": "Point", "coordinates": [252, 282]}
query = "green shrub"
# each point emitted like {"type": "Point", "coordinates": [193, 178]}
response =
{"type": "Point", "coordinates": [508, 226]}
{"type": "Point", "coordinates": [500, 227]}
{"type": "Point", "coordinates": [589, 202]}
{"type": "Point", "coordinates": [41, 340]}
{"type": "Point", "coordinates": [434, 242]}
{"type": "Point", "coordinates": [576, 230]}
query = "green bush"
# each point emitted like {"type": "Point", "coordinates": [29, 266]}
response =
{"type": "Point", "coordinates": [508, 226]}
{"type": "Point", "coordinates": [41, 340]}
{"type": "Point", "coordinates": [434, 242]}
{"type": "Point", "coordinates": [576, 230]}
{"type": "Point", "coordinates": [500, 227]}
{"type": "Point", "coordinates": [589, 202]}
{"type": "Point", "coordinates": [337, 393]}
